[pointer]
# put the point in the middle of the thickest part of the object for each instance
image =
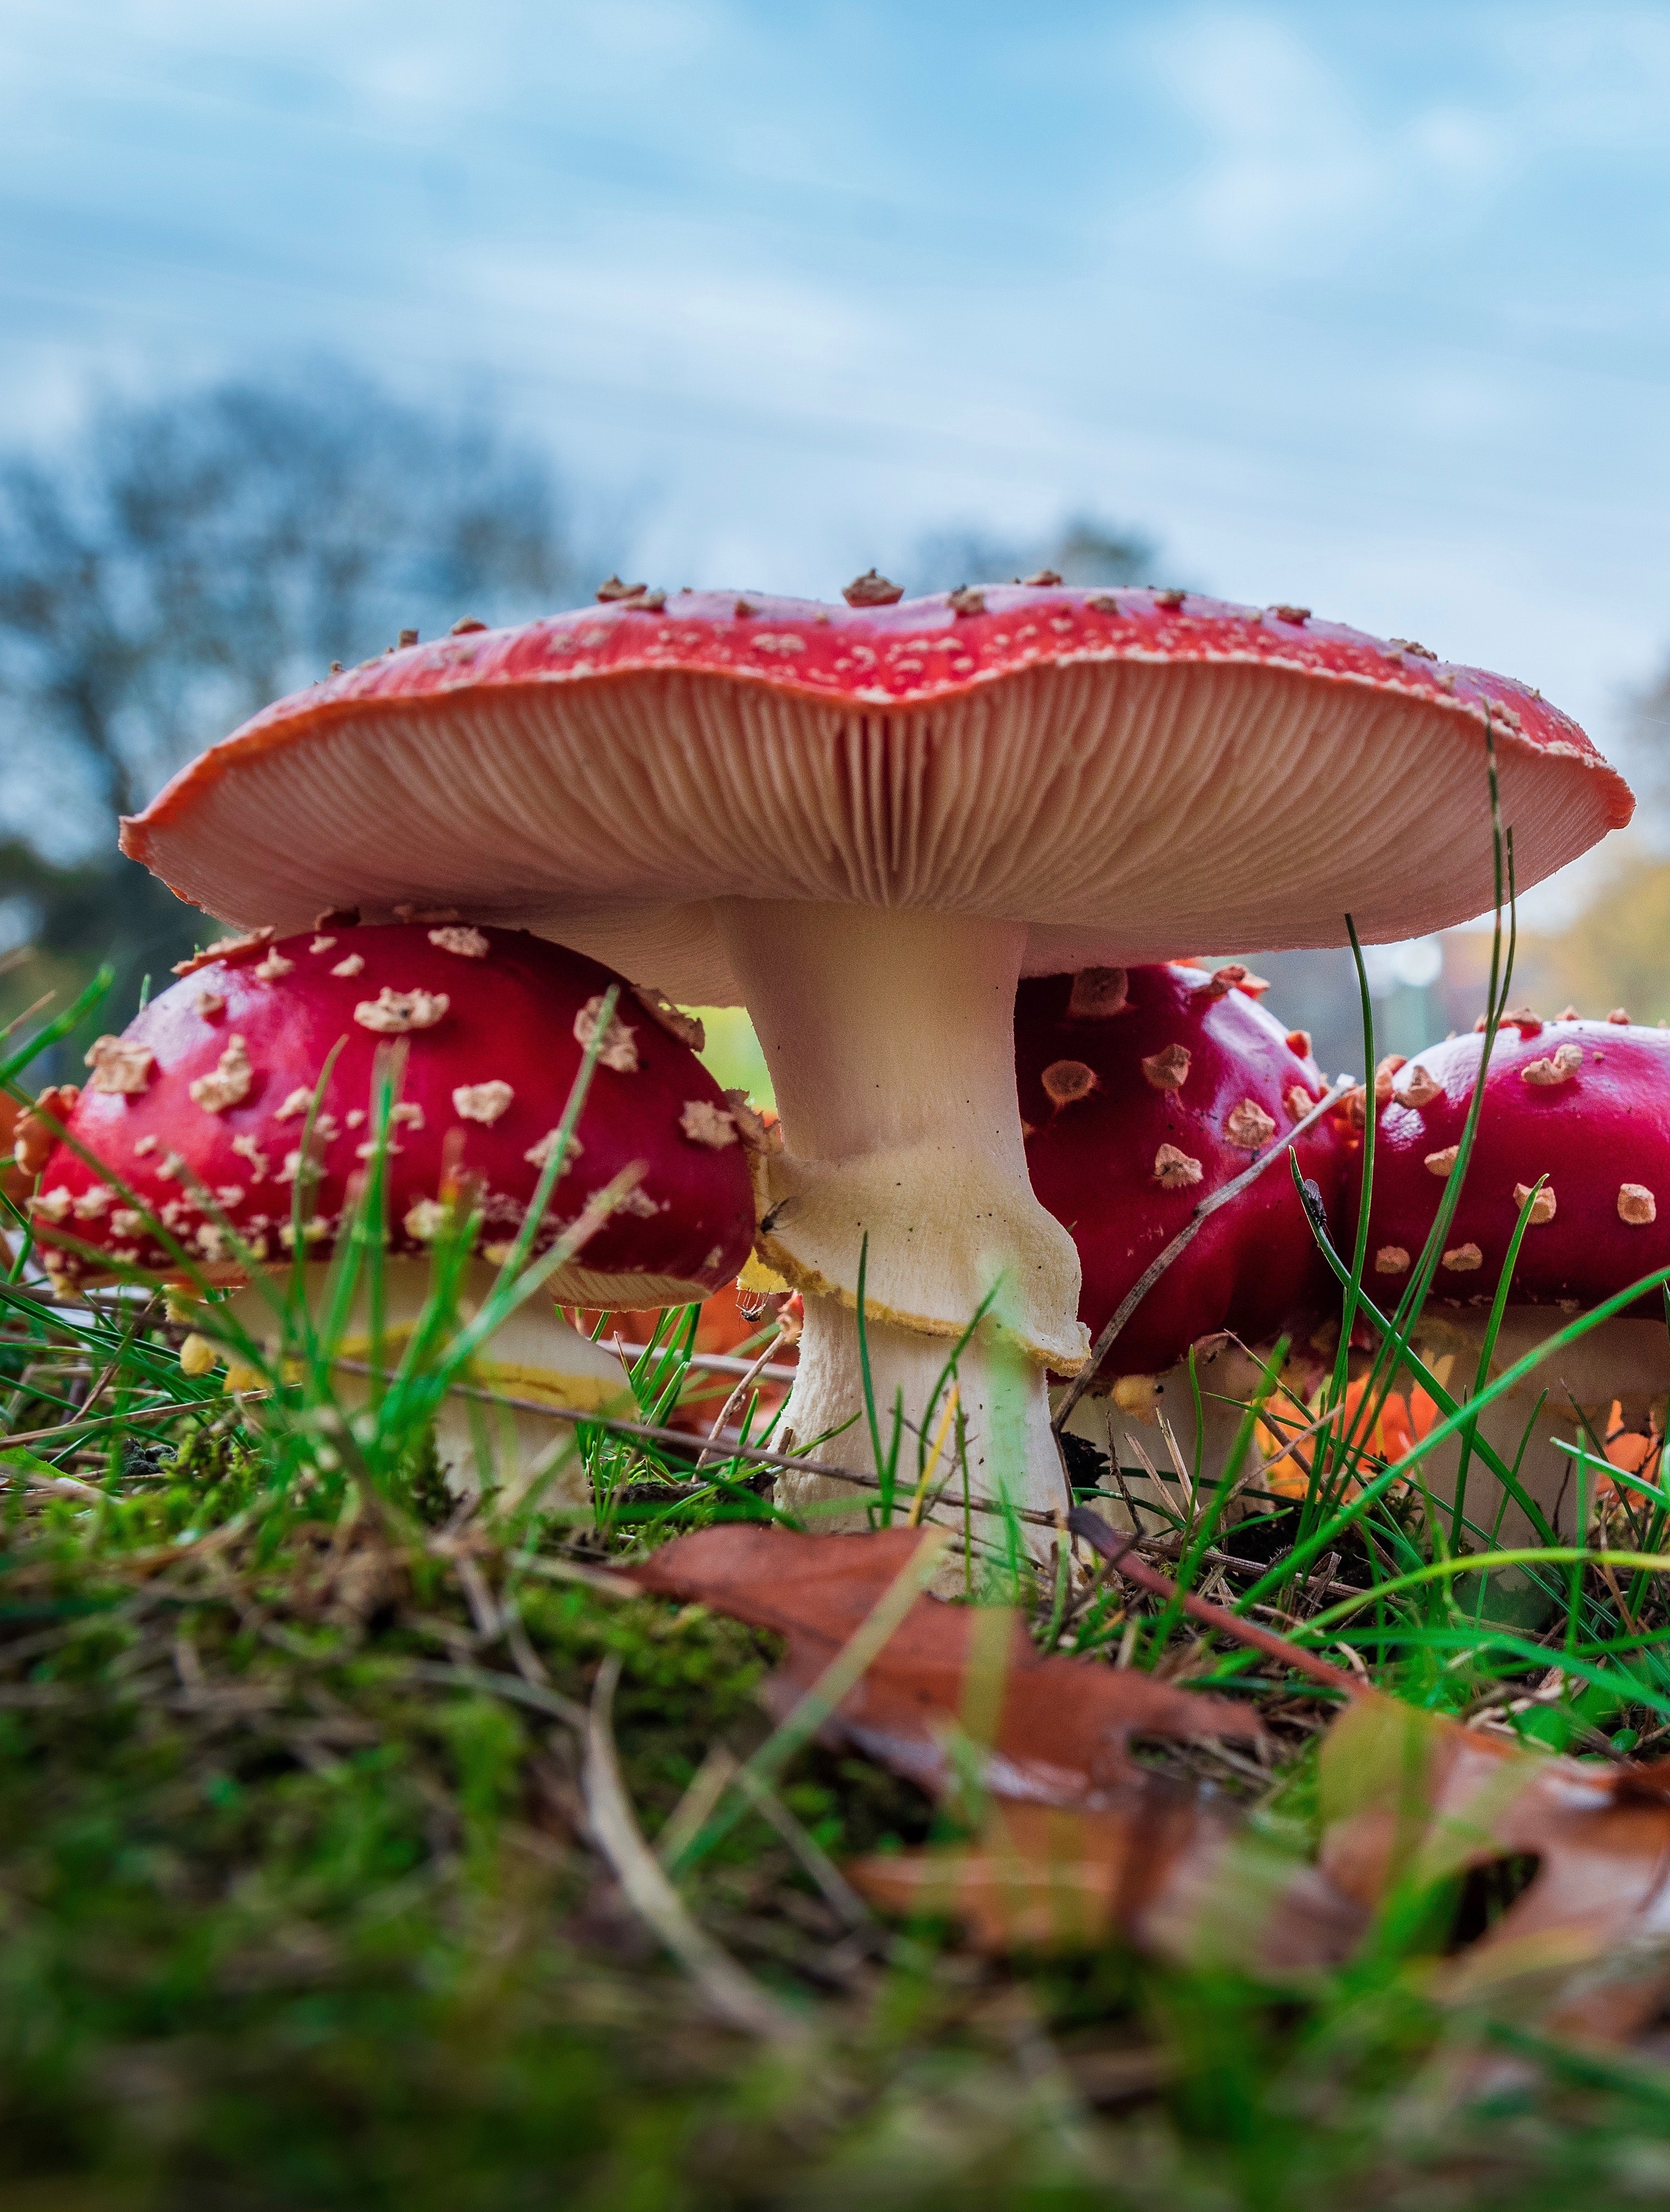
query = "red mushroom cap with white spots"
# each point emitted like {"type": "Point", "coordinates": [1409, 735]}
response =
{"type": "Point", "coordinates": [1121, 771]}
{"type": "Point", "coordinates": [1586, 1105]}
{"type": "Point", "coordinates": [1144, 1090]}
{"type": "Point", "coordinates": [209, 1090]}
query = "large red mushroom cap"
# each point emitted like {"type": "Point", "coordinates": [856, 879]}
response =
{"type": "Point", "coordinates": [1120, 771]}
{"type": "Point", "coordinates": [200, 1110]}
{"type": "Point", "coordinates": [1143, 1091]}
{"type": "Point", "coordinates": [1585, 1103]}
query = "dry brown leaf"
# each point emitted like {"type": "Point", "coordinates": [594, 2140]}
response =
{"type": "Point", "coordinates": [1582, 1953]}
{"type": "Point", "coordinates": [1163, 1868]}
{"type": "Point", "coordinates": [1584, 1949]}
{"type": "Point", "coordinates": [1057, 1731]}
{"type": "Point", "coordinates": [1079, 1845]}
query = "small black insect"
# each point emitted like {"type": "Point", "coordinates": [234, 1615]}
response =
{"type": "Point", "coordinates": [1311, 1193]}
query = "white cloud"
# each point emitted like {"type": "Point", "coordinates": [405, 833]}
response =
{"type": "Point", "coordinates": [664, 34]}
{"type": "Point", "coordinates": [1297, 159]}
{"type": "Point", "coordinates": [1461, 144]}
{"type": "Point", "coordinates": [1589, 76]}
{"type": "Point", "coordinates": [1283, 156]}
{"type": "Point", "coordinates": [680, 300]}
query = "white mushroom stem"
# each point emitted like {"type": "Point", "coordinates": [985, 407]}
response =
{"type": "Point", "coordinates": [536, 1353]}
{"type": "Point", "coordinates": [1622, 1359]}
{"type": "Point", "coordinates": [890, 1036]}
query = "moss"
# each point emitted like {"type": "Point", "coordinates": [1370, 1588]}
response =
{"type": "Point", "coordinates": [295, 1912]}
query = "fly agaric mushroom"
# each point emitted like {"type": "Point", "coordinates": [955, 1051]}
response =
{"type": "Point", "coordinates": [28, 1134]}
{"type": "Point", "coordinates": [866, 822]}
{"type": "Point", "coordinates": [1142, 1091]}
{"type": "Point", "coordinates": [1585, 1104]}
{"type": "Point", "coordinates": [201, 1110]}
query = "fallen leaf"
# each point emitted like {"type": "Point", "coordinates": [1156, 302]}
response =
{"type": "Point", "coordinates": [1407, 1798]}
{"type": "Point", "coordinates": [1393, 1426]}
{"type": "Point", "coordinates": [1584, 1949]}
{"type": "Point", "coordinates": [1164, 1869]}
{"type": "Point", "coordinates": [953, 1685]}
{"type": "Point", "coordinates": [1078, 1846]}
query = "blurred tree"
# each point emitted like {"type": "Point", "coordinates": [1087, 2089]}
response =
{"type": "Point", "coordinates": [194, 557]}
{"type": "Point", "coordinates": [186, 561]}
{"type": "Point", "coordinates": [1646, 750]}
{"type": "Point", "coordinates": [1081, 552]}
{"type": "Point", "coordinates": [1613, 954]}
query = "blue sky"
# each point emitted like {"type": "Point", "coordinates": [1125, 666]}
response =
{"type": "Point", "coordinates": [1363, 307]}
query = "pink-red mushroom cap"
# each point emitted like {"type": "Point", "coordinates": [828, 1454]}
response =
{"type": "Point", "coordinates": [1143, 1092]}
{"type": "Point", "coordinates": [1575, 1120]}
{"type": "Point", "coordinates": [1585, 1104]}
{"type": "Point", "coordinates": [1120, 771]}
{"type": "Point", "coordinates": [199, 1111]}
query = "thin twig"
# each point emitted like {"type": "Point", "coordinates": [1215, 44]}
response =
{"type": "Point", "coordinates": [755, 1454]}
{"type": "Point", "coordinates": [717, 1363]}
{"type": "Point", "coordinates": [1215, 1558]}
{"type": "Point", "coordinates": [744, 1385]}
{"type": "Point", "coordinates": [65, 1486]}
{"type": "Point", "coordinates": [488, 1679]}
{"type": "Point", "coordinates": [558, 1570]}
{"type": "Point", "coordinates": [177, 1411]}
{"type": "Point", "coordinates": [529, 1665]}
{"type": "Point", "coordinates": [838, 1891]}
{"type": "Point", "coordinates": [1121, 1554]}
{"type": "Point", "coordinates": [703, 1792]}
{"type": "Point", "coordinates": [140, 1320]}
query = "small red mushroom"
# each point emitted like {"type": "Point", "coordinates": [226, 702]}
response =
{"type": "Point", "coordinates": [1588, 1119]}
{"type": "Point", "coordinates": [200, 1110]}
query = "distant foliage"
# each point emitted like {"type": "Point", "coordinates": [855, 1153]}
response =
{"type": "Point", "coordinates": [183, 562]}
{"type": "Point", "coordinates": [1081, 552]}
{"type": "Point", "coordinates": [1647, 748]}
{"type": "Point", "coordinates": [1613, 954]}
{"type": "Point", "coordinates": [191, 558]}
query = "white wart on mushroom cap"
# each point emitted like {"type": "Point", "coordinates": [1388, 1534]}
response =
{"type": "Point", "coordinates": [866, 822]}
